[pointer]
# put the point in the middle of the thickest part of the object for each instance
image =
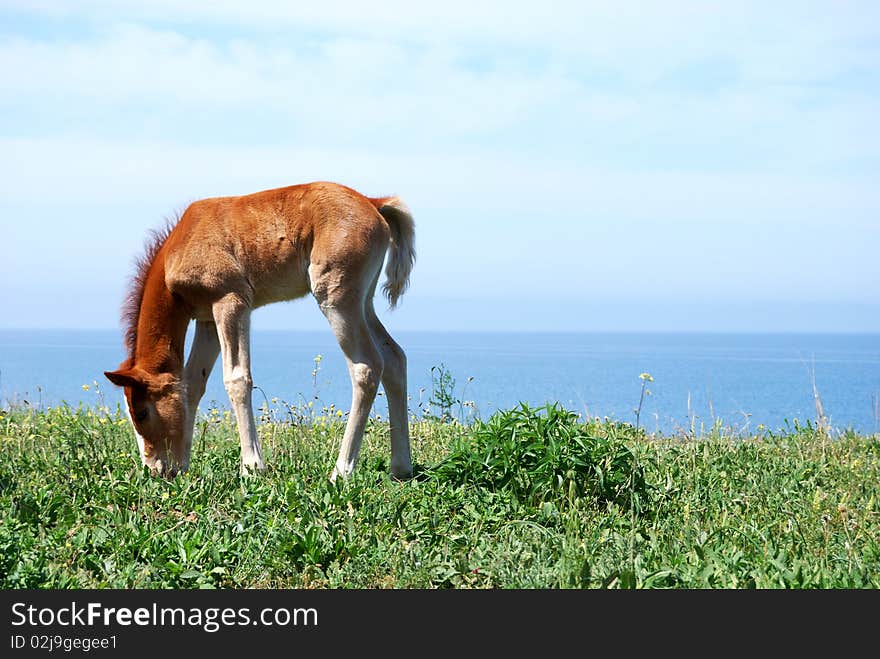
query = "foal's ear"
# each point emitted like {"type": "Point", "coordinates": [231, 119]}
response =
{"type": "Point", "coordinates": [128, 377]}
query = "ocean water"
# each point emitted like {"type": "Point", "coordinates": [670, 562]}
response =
{"type": "Point", "coordinates": [743, 380]}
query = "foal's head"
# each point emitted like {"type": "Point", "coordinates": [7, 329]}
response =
{"type": "Point", "coordinates": [155, 405]}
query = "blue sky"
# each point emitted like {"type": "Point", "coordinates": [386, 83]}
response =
{"type": "Point", "coordinates": [570, 165]}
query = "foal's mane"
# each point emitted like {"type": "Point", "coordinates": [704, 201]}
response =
{"type": "Point", "coordinates": [131, 307]}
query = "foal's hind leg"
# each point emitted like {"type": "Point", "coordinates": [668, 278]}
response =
{"type": "Point", "coordinates": [394, 383]}
{"type": "Point", "coordinates": [365, 370]}
{"type": "Point", "coordinates": [344, 309]}
{"type": "Point", "coordinates": [232, 315]}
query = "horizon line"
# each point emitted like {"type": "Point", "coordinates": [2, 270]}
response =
{"type": "Point", "coordinates": [422, 330]}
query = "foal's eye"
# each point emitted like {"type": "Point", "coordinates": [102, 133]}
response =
{"type": "Point", "coordinates": [140, 416]}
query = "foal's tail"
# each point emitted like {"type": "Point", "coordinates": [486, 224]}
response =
{"type": "Point", "coordinates": [402, 253]}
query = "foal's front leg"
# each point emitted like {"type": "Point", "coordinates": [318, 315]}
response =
{"type": "Point", "coordinates": [199, 365]}
{"type": "Point", "coordinates": [232, 316]}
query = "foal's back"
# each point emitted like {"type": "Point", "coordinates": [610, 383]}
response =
{"type": "Point", "coordinates": [260, 246]}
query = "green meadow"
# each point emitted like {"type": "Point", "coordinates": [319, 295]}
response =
{"type": "Point", "coordinates": [528, 498]}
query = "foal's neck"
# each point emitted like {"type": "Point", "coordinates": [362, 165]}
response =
{"type": "Point", "coordinates": [161, 327]}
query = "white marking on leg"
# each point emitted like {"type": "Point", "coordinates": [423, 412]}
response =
{"type": "Point", "coordinates": [202, 357]}
{"type": "Point", "coordinates": [394, 383]}
{"type": "Point", "coordinates": [232, 317]}
{"type": "Point", "coordinates": [365, 370]}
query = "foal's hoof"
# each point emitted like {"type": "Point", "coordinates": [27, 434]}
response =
{"type": "Point", "coordinates": [252, 469]}
{"type": "Point", "coordinates": [402, 472]}
{"type": "Point", "coordinates": [342, 470]}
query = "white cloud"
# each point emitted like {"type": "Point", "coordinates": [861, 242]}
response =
{"type": "Point", "coordinates": [93, 171]}
{"type": "Point", "coordinates": [341, 90]}
{"type": "Point", "coordinates": [133, 81]}
{"type": "Point", "coordinates": [778, 38]}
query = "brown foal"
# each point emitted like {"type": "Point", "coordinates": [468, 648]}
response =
{"type": "Point", "coordinates": [229, 255]}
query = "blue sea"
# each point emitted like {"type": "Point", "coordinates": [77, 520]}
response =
{"type": "Point", "coordinates": [740, 380]}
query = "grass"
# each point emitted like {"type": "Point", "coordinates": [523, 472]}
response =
{"type": "Point", "coordinates": [530, 498]}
